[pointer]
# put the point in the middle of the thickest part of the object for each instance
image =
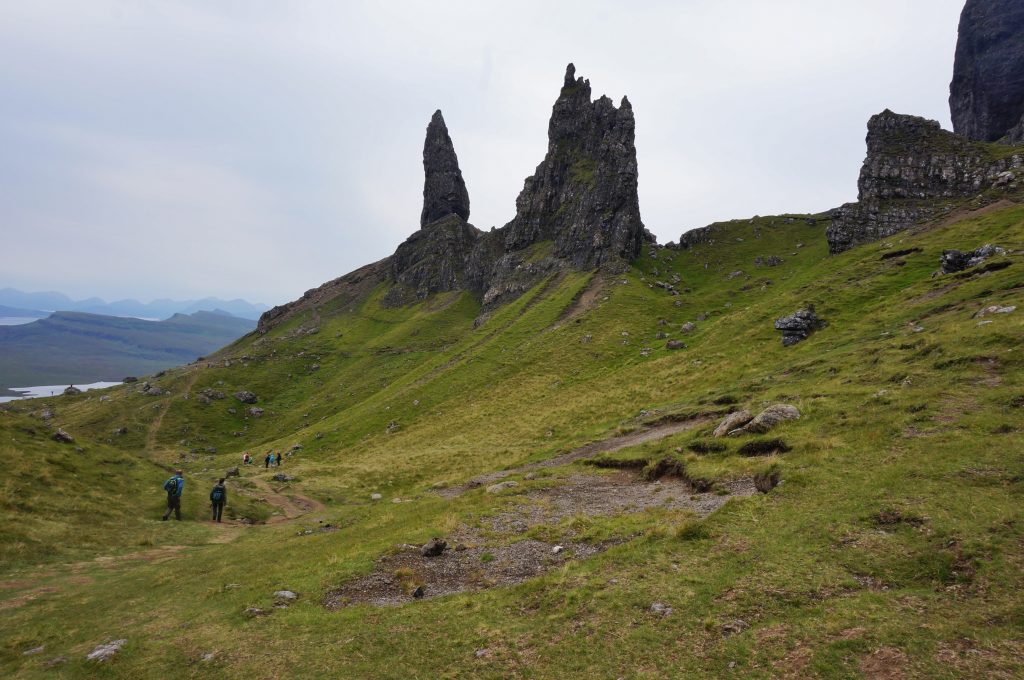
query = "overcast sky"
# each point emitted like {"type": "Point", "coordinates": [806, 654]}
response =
{"type": "Point", "coordinates": [256, 149]}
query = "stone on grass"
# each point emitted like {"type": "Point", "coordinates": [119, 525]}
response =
{"type": "Point", "coordinates": [675, 344]}
{"type": "Point", "coordinates": [253, 612]}
{"type": "Point", "coordinates": [798, 325]}
{"type": "Point", "coordinates": [104, 652]}
{"type": "Point", "coordinates": [285, 596]}
{"type": "Point", "coordinates": [63, 437]}
{"type": "Point", "coordinates": [770, 417]}
{"type": "Point", "coordinates": [282, 477]}
{"type": "Point", "coordinates": [375, 496]}
{"type": "Point", "coordinates": [501, 486]}
{"type": "Point", "coordinates": [688, 327]}
{"type": "Point", "coordinates": [246, 397]}
{"type": "Point", "coordinates": [661, 609]}
{"type": "Point", "coordinates": [557, 549]}
{"type": "Point", "coordinates": [34, 650]}
{"type": "Point", "coordinates": [233, 472]}
{"type": "Point", "coordinates": [994, 309]}
{"type": "Point", "coordinates": [433, 547]}
{"type": "Point", "coordinates": [733, 421]}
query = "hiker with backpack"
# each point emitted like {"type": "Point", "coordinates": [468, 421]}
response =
{"type": "Point", "coordinates": [266, 461]}
{"type": "Point", "coordinates": [280, 455]}
{"type": "Point", "coordinates": [174, 486]}
{"type": "Point", "coordinates": [218, 498]}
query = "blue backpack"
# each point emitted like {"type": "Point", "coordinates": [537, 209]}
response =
{"type": "Point", "coordinates": [218, 494]}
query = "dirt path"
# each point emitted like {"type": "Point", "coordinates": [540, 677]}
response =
{"type": "Point", "coordinates": [155, 426]}
{"type": "Point", "coordinates": [588, 451]}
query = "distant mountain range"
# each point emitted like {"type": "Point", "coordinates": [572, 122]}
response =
{"type": "Point", "coordinates": [70, 347]}
{"type": "Point", "coordinates": [39, 304]}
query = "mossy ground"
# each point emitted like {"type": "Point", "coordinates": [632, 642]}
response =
{"type": "Point", "coordinates": [895, 540]}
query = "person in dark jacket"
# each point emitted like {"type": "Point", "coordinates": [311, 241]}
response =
{"type": "Point", "coordinates": [266, 461]}
{"type": "Point", "coordinates": [218, 498]}
{"type": "Point", "coordinates": [174, 486]}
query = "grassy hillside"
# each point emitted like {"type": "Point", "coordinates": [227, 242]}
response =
{"type": "Point", "coordinates": [893, 546]}
{"type": "Point", "coordinates": [69, 347]}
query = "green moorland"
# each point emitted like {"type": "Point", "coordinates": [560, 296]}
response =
{"type": "Point", "coordinates": [893, 546]}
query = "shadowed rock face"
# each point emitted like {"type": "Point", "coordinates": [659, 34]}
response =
{"type": "Point", "coordinates": [583, 195]}
{"type": "Point", "coordinates": [986, 95]}
{"type": "Point", "coordinates": [444, 191]}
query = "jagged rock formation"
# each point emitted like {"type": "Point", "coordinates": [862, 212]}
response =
{"type": "Point", "coordinates": [444, 191]}
{"type": "Point", "coordinates": [583, 195]}
{"type": "Point", "coordinates": [578, 210]}
{"type": "Point", "coordinates": [798, 326]}
{"type": "Point", "coordinates": [915, 171]}
{"type": "Point", "coordinates": [986, 95]}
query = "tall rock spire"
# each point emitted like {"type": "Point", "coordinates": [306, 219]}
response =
{"type": "Point", "coordinates": [444, 191]}
{"type": "Point", "coordinates": [986, 96]}
{"type": "Point", "coordinates": [583, 195]}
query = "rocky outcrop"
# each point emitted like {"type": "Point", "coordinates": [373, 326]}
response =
{"type": "Point", "coordinates": [986, 95]}
{"type": "Point", "coordinates": [583, 195]}
{"type": "Point", "coordinates": [798, 326]}
{"type": "Point", "coordinates": [444, 191]}
{"type": "Point", "coordinates": [432, 260]}
{"type": "Point", "coordinates": [915, 171]}
{"type": "Point", "coordinates": [953, 261]}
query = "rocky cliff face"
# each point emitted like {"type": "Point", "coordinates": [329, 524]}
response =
{"type": "Point", "coordinates": [915, 171]}
{"type": "Point", "coordinates": [583, 195]}
{"type": "Point", "coordinates": [986, 95]}
{"type": "Point", "coordinates": [444, 191]}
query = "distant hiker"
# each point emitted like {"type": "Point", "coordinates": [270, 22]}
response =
{"type": "Point", "coordinates": [218, 497]}
{"type": "Point", "coordinates": [246, 458]}
{"type": "Point", "coordinates": [174, 486]}
{"type": "Point", "coordinates": [273, 458]}
{"type": "Point", "coordinates": [266, 461]}
{"type": "Point", "coordinates": [279, 457]}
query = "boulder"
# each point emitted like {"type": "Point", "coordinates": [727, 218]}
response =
{"type": "Point", "coordinates": [130, 379]}
{"type": "Point", "coordinates": [768, 419]}
{"type": "Point", "coordinates": [433, 547]}
{"type": "Point", "coordinates": [104, 652]}
{"type": "Point", "coordinates": [675, 344]}
{"type": "Point", "coordinates": [798, 325]}
{"type": "Point", "coordinates": [121, 430]}
{"type": "Point", "coordinates": [688, 327]}
{"type": "Point", "coordinates": [501, 486]}
{"type": "Point", "coordinates": [375, 496]}
{"type": "Point", "coordinates": [63, 437]}
{"type": "Point", "coordinates": [71, 391]}
{"type": "Point", "coordinates": [733, 421]}
{"type": "Point", "coordinates": [953, 261]}
{"type": "Point", "coordinates": [232, 472]}
{"type": "Point", "coordinates": [281, 477]}
{"type": "Point", "coordinates": [994, 309]}
{"type": "Point", "coordinates": [255, 411]}
{"type": "Point", "coordinates": [246, 397]}
{"type": "Point", "coordinates": [285, 596]}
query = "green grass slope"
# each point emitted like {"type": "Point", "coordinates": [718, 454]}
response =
{"type": "Point", "coordinates": [894, 543]}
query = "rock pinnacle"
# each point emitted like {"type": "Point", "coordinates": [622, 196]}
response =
{"type": "Point", "coordinates": [444, 191]}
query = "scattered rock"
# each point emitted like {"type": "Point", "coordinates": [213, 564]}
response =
{"type": "Point", "coordinates": [71, 391]}
{"type": "Point", "coordinates": [768, 419]}
{"type": "Point", "coordinates": [769, 261]}
{"type": "Point", "coordinates": [285, 596]}
{"type": "Point", "coordinates": [56, 661]}
{"type": "Point", "coordinates": [733, 627]}
{"type": "Point", "coordinates": [994, 309]}
{"type": "Point", "coordinates": [121, 430]}
{"type": "Point", "coordinates": [557, 549]}
{"type": "Point", "coordinates": [233, 472]}
{"type": "Point", "coordinates": [798, 325]}
{"type": "Point", "coordinates": [733, 421]}
{"type": "Point", "coordinates": [34, 650]}
{"type": "Point", "coordinates": [688, 327]}
{"type": "Point", "coordinates": [130, 379]}
{"type": "Point", "coordinates": [63, 437]}
{"type": "Point", "coordinates": [253, 612]}
{"type": "Point", "coordinates": [766, 481]}
{"type": "Point", "coordinates": [661, 609]}
{"type": "Point", "coordinates": [419, 592]}
{"type": "Point", "coordinates": [675, 344]}
{"type": "Point", "coordinates": [501, 486]}
{"type": "Point", "coordinates": [481, 653]}
{"type": "Point", "coordinates": [281, 477]}
{"type": "Point", "coordinates": [433, 547]}
{"type": "Point", "coordinates": [153, 391]}
{"type": "Point", "coordinates": [375, 496]}
{"type": "Point", "coordinates": [246, 397]}
{"type": "Point", "coordinates": [211, 393]}
{"type": "Point", "coordinates": [393, 427]}
{"type": "Point", "coordinates": [255, 411]}
{"type": "Point", "coordinates": [953, 261]}
{"type": "Point", "coordinates": [104, 652]}
{"type": "Point", "coordinates": [733, 275]}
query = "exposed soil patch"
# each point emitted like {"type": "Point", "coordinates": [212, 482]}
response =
{"type": "Point", "coordinates": [588, 451]}
{"type": "Point", "coordinates": [474, 565]}
{"type": "Point", "coordinates": [583, 302]}
{"type": "Point", "coordinates": [468, 567]}
{"type": "Point", "coordinates": [885, 663]}
{"type": "Point", "coordinates": [611, 494]}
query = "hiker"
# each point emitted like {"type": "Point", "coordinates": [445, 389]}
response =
{"type": "Point", "coordinates": [266, 461]}
{"type": "Point", "coordinates": [218, 498]}
{"type": "Point", "coordinates": [246, 458]}
{"type": "Point", "coordinates": [273, 458]}
{"type": "Point", "coordinates": [174, 486]}
{"type": "Point", "coordinates": [279, 457]}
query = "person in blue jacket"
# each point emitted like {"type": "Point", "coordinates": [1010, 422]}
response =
{"type": "Point", "coordinates": [174, 486]}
